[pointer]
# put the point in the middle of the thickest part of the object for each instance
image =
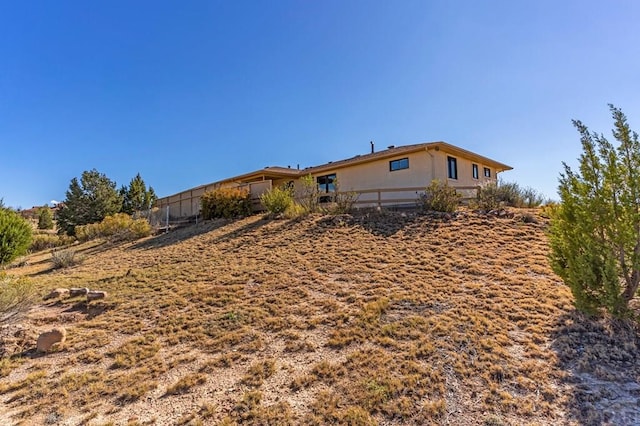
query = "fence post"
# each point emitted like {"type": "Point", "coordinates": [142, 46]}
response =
{"type": "Point", "coordinates": [379, 199]}
{"type": "Point", "coordinates": [166, 230]}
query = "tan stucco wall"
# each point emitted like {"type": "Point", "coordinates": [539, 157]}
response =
{"type": "Point", "coordinates": [424, 166]}
{"type": "Point", "coordinates": [376, 174]}
{"type": "Point", "coordinates": [465, 174]}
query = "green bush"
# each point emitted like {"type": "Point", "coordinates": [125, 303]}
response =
{"type": "Point", "coordinates": [15, 236]}
{"type": "Point", "coordinates": [294, 211]}
{"type": "Point", "coordinates": [440, 197]}
{"type": "Point", "coordinates": [117, 227]}
{"type": "Point", "coordinates": [549, 209]}
{"type": "Point", "coordinates": [45, 218]}
{"type": "Point", "coordinates": [87, 232]}
{"type": "Point", "coordinates": [226, 202]}
{"type": "Point", "coordinates": [309, 194]}
{"type": "Point", "coordinates": [595, 229]}
{"type": "Point", "coordinates": [49, 241]}
{"type": "Point", "coordinates": [507, 194]}
{"type": "Point", "coordinates": [277, 200]}
{"type": "Point", "coordinates": [488, 197]}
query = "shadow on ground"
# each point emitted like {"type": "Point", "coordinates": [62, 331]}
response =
{"type": "Point", "coordinates": [180, 234]}
{"type": "Point", "coordinates": [387, 223]}
{"type": "Point", "coordinates": [601, 359]}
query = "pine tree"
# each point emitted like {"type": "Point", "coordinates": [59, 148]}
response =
{"type": "Point", "coordinates": [136, 197]}
{"type": "Point", "coordinates": [15, 236]}
{"type": "Point", "coordinates": [595, 231]}
{"type": "Point", "coordinates": [88, 201]}
{"type": "Point", "coordinates": [45, 218]}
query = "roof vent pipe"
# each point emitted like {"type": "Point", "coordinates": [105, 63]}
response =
{"type": "Point", "coordinates": [373, 149]}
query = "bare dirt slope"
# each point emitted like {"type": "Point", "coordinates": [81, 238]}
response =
{"type": "Point", "coordinates": [371, 319]}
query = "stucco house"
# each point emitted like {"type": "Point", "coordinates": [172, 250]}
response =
{"type": "Point", "coordinates": [390, 177]}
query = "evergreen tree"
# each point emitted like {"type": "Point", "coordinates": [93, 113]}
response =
{"type": "Point", "coordinates": [45, 218]}
{"type": "Point", "coordinates": [15, 235]}
{"type": "Point", "coordinates": [595, 231]}
{"type": "Point", "coordinates": [88, 201]}
{"type": "Point", "coordinates": [136, 197]}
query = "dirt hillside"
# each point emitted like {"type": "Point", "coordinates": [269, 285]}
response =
{"type": "Point", "coordinates": [381, 318]}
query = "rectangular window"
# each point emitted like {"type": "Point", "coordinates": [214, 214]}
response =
{"type": "Point", "coordinates": [487, 172]}
{"type": "Point", "coordinates": [326, 185]}
{"type": "Point", "coordinates": [452, 166]}
{"type": "Point", "coordinates": [400, 164]}
{"type": "Point", "coordinates": [474, 171]}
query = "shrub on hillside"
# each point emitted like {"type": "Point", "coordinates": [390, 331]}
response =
{"type": "Point", "coordinates": [531, 198]}
{"type": "Point", "coordinates": [226, 202]}
{"type": "Point", "coordinates": [488, 197]}
{"type": "Point", "coordinates": [343, 200]}
{"type": "Point", "coordinates": [309, 194]}
{"type": "Point", "coordinates": [49, 241]}
{"type": "Point", "coordinates": [64, 258]}
{"type": "Point", "coordinates": [117, 227]}
{"type": "Point", "coordinates": [595, 229]}
{"type": "Point", "coordinates": [507, 194]}
{"type": "Point", "coordinates": [295, 210]}
{"type": "Point", "coordinates": [15, 236]}
{"type": "Point", "coordinates": [548, 209]}
{"type": "Point", "coordinates": [15, 293]}
{"type": "Point", "coordinates": [277, 200]}
{"type": "Point", "coordinates": [439, 197]}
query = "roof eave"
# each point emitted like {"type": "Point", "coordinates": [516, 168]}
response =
{"type": "Point", "coordinates": [499, 167]}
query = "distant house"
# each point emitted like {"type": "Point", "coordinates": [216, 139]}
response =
{"type": "Point", "coordinates": [391, 177]}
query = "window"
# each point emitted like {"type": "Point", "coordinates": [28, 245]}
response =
{"type": "Point", "coordinates": [400, 164]}
{"type": "Point", "coordinates": [487, 172]}
{"type": "Point", "coordinates": [474, 171]}
{"type": "Point", "coordinates": [326, 185]}
{"type": "Point", "coordinates": [452, 164]}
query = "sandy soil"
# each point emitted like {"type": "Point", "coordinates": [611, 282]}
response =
{"type": "Point", "coordinates": [378, 318]}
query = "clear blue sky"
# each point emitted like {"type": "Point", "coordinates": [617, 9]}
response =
{"type": "Point", "coordinates": [191, 92]}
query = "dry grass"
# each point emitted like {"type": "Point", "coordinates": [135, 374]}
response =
{"type": "Point", "coordinates": [368, 319]}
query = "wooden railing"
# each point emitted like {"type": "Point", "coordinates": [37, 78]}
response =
{"type": "Point", "coordinates": [186, 204]}
{"type": "Point", "coordinates": [377, 197]}
{"type": "Point", "coordinates": [467, 192]}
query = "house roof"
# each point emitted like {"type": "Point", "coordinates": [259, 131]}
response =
{"type": "Point", "coordinates": [406, 149]}
{"type": "Point", "coordinates": [267, 172]}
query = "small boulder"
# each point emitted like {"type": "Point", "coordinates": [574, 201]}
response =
{"type": "Point", "coordinates": [57, 293]}
{"type": "Point", "coordinates": [47, 339]}
{"type": "Point", "coordinates": [77, 291]}
{"type": "Point", "coordinates": [95, 295]}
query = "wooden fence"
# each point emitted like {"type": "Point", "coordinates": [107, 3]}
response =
{"type": "Point", "coordinates": [403, 196]}
{"type": "Point", "coordinates": [186, 205]}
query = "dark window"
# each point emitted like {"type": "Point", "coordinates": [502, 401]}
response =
{"type": "Point", "coordinates": [487, 172]}
{"type": "Point", "coordinates": [326, 185]}
{"type": "Point", "coordinates": [474, 170]}
{"type": "Point", "coordinates": [452, 167]}
{"type": "Point", "coordinates": [400, 164]}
